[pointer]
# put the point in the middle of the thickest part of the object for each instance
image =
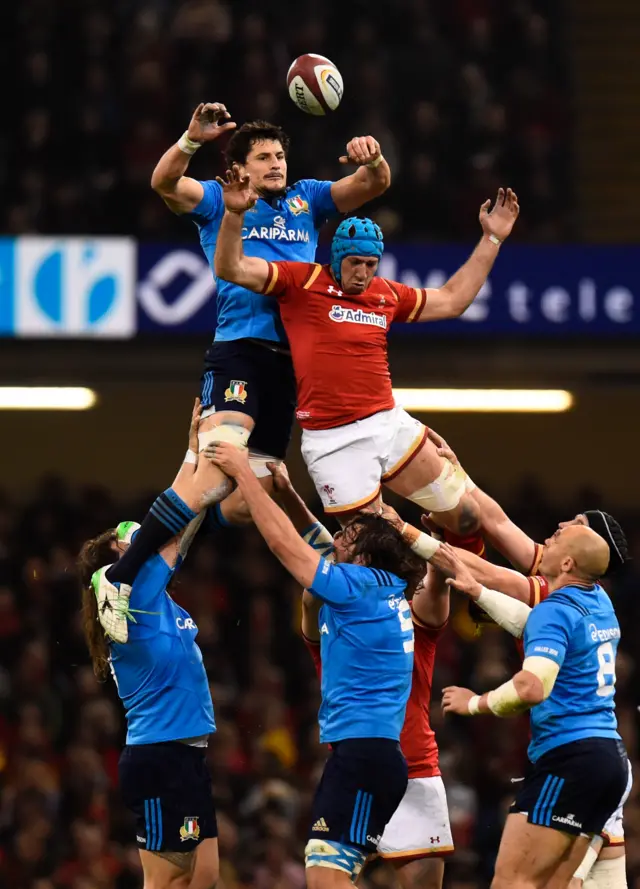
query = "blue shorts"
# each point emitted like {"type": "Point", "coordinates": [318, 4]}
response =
{"type": "Point", "coordinates": [575, 787]}
{"type": "Point", "coordinates": [362, 785]}
{"type": "Point", "coordinates": [168, 788]}
{"type": "Point", "coordinates": [253, 378]}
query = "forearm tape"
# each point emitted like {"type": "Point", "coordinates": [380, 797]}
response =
{"type": "Point", "coordinates": [318, 538]}
{"type": "Point", "coordinates": [505, 700]}
{"type": "Point", "coordinates": [509, 613]}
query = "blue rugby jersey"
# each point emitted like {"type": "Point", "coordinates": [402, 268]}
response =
{"type": "Point", "coordinates": [366, 647]}
{"type": "Point", "coordinates": [159, 672]}
{"type": "Point", "coordinates": [577, 628]}
{"type": "Point", "coordinates": [284, 228]}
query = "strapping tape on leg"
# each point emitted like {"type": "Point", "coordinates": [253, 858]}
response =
{"type": "Point", "coordinates": [445, 492]}
{"type": "Point", "coordinates": [336, 856]}
{"type": "Point", "coordinates": [258, 462]}
{"type": "Point", "coordinates": [237, 435]}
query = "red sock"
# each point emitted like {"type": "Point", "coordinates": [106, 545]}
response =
{"type": "Point", "coordinates": [473, 543]}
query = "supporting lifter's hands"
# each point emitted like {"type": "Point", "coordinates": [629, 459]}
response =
{"type": "Point", "coordinates": [238, 193]}
{"type": "Point", "coordinates": [231, 459]}
{"type": "Point", "coordinates": [502, 218]}
{"type": "Point", "coordinates": [210, 120]}
{"type": "Point", "coordinates": [196, 416]}
{"type": "Point", "coordinates": [456, 700]}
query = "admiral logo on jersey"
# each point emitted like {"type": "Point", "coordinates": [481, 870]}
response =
{"type": "Point", "coordinates": [357, 316]}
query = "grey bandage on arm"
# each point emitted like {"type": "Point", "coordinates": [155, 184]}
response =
{"type": "Point", "coordinates": [509, 613]}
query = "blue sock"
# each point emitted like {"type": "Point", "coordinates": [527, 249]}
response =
{"type": "Point", "coordinates": [168, 515]}
{"type": "Point", "coordinates": [215, 521]}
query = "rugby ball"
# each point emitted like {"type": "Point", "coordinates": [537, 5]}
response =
{"type": "Point", "coordinates": [314, 84]}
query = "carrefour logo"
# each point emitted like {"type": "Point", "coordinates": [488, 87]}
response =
{"type": "Point", "coordinates": [70, 287]}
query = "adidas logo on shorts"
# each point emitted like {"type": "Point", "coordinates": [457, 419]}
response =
{"type": "Point", "coordinates": [320, 824]}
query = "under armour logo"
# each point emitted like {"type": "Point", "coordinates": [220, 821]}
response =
{"type": "Point", "coordinates": [435, 840]}
{"type": "Point", "coordinates": [334, 290]}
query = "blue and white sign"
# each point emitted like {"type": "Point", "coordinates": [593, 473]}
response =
{"type": "Point", "coordinates": [176, 290]}
{"type": "Point", "coordinates": [114, 287]}
{"type": "Point", "coordinates": [68, 287]}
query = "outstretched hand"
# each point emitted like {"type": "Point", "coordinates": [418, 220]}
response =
{"type": "Point", "coordinates": [459, 576]}
{"type": "Point", "coordinates": [209, 120]}
{"type": "Point", "coordinates": [238, 193]}
{"type": "Point", "coordinates": [502, 218]}
{"type": "Point", "coordinates": [456, 700]}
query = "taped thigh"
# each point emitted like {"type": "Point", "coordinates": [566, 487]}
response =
{"type": "Point", "coordinates": [231, 432]}
{"type": "Point", "coordinates": [335, 856]}
{"type": "Point", "coordinates": [445, 492]}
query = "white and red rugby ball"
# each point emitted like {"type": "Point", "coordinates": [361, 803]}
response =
{"type": "Point", "coordinates": [315, 84]}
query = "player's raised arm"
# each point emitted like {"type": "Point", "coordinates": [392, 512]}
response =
{"type": "Point", "coordinates": [298, 557]}
{"type": "Point", "coordinates": [179, 192]}
{"type": "Point", "coordinates": [231, 263]}
{"type": "Point", "coordinates": [454, 297]}
{"type": "Point", "coordinates": [371, 180]}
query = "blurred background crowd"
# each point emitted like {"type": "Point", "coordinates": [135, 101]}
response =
{"type": "Point", "coordinates": [463, 96]}
{"type": "Point", "coordinates": [62, 824]}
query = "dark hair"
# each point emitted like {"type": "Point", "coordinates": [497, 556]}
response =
{"type": "Point", "coordinates": [377, 544]}
{"type": "Point", "coordinates": [243, 140]}
{"type": "Point", "coordinates": [606, 526]}
{"type": "Point", "coordinates": [94, 554]}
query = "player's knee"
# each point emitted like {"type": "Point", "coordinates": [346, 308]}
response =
{"type": "Point", "coordinates": [468, 517]}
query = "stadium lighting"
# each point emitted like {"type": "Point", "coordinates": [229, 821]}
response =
{"type": "Point", "coordinates": [517, 401]}
{"type": "Point", "coordinates": [46, 398]}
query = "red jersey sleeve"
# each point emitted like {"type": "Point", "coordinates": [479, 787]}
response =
{"type": "Point", "coordinates": [537, 558]}
{"type": "Point", "coordinates": [538, 590]}
{"type": "Point", "coordinates": [284, 275]}
{"type": "Point", "coordinates": [410, 301]}
{"type": "Point", "coordinates": [314, 651]}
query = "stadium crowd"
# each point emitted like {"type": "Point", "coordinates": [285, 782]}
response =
{"type": "Point", "coordinates": [463, 96]}
{"type": "Point", "coordinates": [62, 823]}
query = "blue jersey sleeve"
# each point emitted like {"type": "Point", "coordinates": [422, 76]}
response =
{"type": "Point", "coordinates": [548, 631]}
{"type": "Point", "coordinates": [211, 204]}
{"type": "Point", "coordinates": [339, 585]}
{"type": "Point", "coordinates": [321, 203]}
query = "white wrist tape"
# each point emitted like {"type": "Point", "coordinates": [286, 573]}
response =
{"type": "Point", "coordinates": [494, 240]}
{"type": "Point", "coordinates": [590, 858]}
{"type": "Point", "coordinates": [190, 457]}
{"type": "Point", "coordinates": [187, 145]}
{"type": "Point", "coordinates": [545, 669]}
{"type": "Point", "coordinates": [474, 705]}
{"type": "Point", "coordinates": [421, 544]}
{"type": "Point", "coordinates": [375, 163]}
{"type": "Point", "coordinates": [509, 613]}
{"type": "Point", "coordinates": [505, 700]}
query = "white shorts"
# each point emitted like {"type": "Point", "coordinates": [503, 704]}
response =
{"type": "Point", "coordinates": [420, 825]}
{"type": "Point", "coordinates": [348, 463]}
{"type": "Point", "coordinates": [613, 831]}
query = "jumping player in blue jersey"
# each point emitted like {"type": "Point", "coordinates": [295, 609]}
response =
{"type": "Point", "coordinates": [366, 641]}
{"type": "Point", "coordinates": [579, 771]}
{"type": "Point", "coordinates": [248, 382]}
{"type": "Point", "coordinates": [136, 631]}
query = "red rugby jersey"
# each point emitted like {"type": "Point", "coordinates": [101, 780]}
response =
{"type": "Point", "coordinates": [339, 342]}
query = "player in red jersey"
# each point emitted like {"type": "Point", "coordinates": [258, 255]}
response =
{"type": "Point", "coordinates": [419, 833]}
{"type": "Point", "coordinates": [354, 436]}
{"type": "Point", "coordinates": [603, 866]}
